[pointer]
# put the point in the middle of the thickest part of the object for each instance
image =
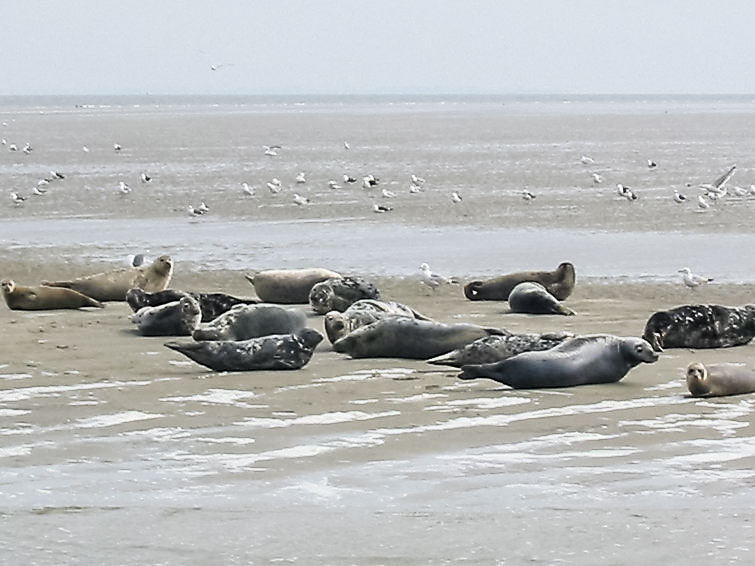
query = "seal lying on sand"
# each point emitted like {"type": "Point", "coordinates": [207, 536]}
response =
{"type": "Point", "coordinates": [212, 304]}
{"type": "Point", "coordinates": [714, 380]}
{"type": "Point", "coordinates": [178, 318]}
{"type": "Point", "coordinates": [402, 337]}
{"type": "Point", "coordinates": [533, 298]}
{"type": "Point", "coordinates": [339, 293]}
{"type": "Point", "coordinates": [700, 326]}
{"type": "Point", "coordinates": [583, 360]}
{"type": "Point", "coordinates": [279, 351]}
{"type": "Point", "coordinates": [243, 322]}
{"type": "Point", "coordinates": [559, 283]}
{"type": "Point", "coordinates": [113, 285]}
{"type": "Point", "coordinates": [44, 298]}
{"type": "Point", "coordinates": [364, 312]}
{"type": "Point", "coordinates": [493, 349]}
{"type": "Point", "coordinates": [288, 286]}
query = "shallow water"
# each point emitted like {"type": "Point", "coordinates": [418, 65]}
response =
{"type": "Point", "coordinates": [115, 450]}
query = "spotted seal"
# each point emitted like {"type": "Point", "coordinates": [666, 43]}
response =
{"type": "Point", "coordinates": [278, 351]}
{"type": "Point", "coordinates": [43, 298]}
{"type": "Point", "coordinates": [242, 322]}
{"type": "Point", "coordinates": [700, 326]}
{"type": "Point", "coordinates": [582, 360]}
{"type": "Point", "coordinates": [533, 298]}
{"type": "Point", "coordinates": [339, 293]}
{"type": "Point", "coordinates": [716, 380]}
{"type": "Point", "coordinates": [559, 283]}
{"type": "Point", "coordinates": [178, 318]}
{"type": "Point", "coordinates": [212, 304]}
{"type": "Point", "coordinates": [362, 313]}
{"type": "Point", "coordinates": [288, 286]}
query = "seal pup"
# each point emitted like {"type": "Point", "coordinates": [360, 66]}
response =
{"type": "Point", "coordinates": [403, 337]}
{"type": "Point", "coordinates": [243, 322]}
{"type": "Point", "coordinates": [532, 298]}
{"type": "Point", "coordinates": [700, 326]}
{"type": "Point", "coordinates": [582, 360]}
{"type": "Point", "coordinates": [716, 380]}
{"type": "Point", "coordinates": [212, 304]}
{"type": "Point", "coordinates": [559, 283]}
{"type": "Point", "coordinates": [339, 293]}
{"type": "Point", "coordinates": [493, 349]}
{"type": "Point", "coordinates": [362, 313]}
{"type": "Point", "coordinates": [178, 318]}
{"type": "Point", "coordinates": [39, 298]}
{"type": "Point", "coordinates": [278, 351]}
{"type": "Point", "coordinates": [288, 286]}
{"type": "Point", "coordinates": [113, 285]}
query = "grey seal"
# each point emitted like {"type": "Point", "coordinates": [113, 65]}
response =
{"type": "Point", "coordinates": [403, 337]}
{"type": "Point", "coordinates": [559, 283]}
{"type": "Point", "coordinates": [339, 293]}
{"type": "Point", "coordinates": [243, 322]}
{"type": "Point", "coordinates": [700, 326]}
{"type": "Point", "coordinates": [493, 349]}
{"type": "Point", "coordinates": [278, 351]}
{"type": "Point", "coordinates": [212, 304]}
{"type": "Point", "coordinates": [39, 298]}
{"type": "Point", "coordinates": [533, 298]}
{"type": "Point", "coordinates": [582, 360]}
{"type": "Point", "coordinates": [363, 312]}
{"type": "Point", "coordinates": [288, 286]}
{"type": "Point", "coordinates": [716, 380]}
{"type": "Point", "coordinates": [178, 318]}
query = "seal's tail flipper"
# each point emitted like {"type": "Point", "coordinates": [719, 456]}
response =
{"type": "Point", "coordinates": [471, 372]}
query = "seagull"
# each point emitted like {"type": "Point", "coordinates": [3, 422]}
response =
{"type": "Point", "coordinates": [202, 208]}
{"type": "Point", "coordinates": [85, 148]}
{"type": "Point", "coordinates": [526, 195]}
{"type": "Point", "coordinates": [349, 179]}
{"type": "Point", "coordinates": [124, 188]}
{"type": "Point", "coordinates": [369, 181]}
{"type": "Point", "coordinates": [300, 178]}
{"type": "Point", "coordinates": [217, 66]}
{"type": "Point", "coordinates": [630, 196]}
{"type": "Point", "coordinates": [333, 185]}
{"type": "Point", "coordinates": [432, 280]}
{"type": "Point", "coordinates": [387, 194]}
{"type": "Point", "coordinates": [346, 145]}
{"type": "Point", "coordinates": [17, 199]}
{"type": "Point", "coordinates": [247, 189]}
{"type": "Point", "coordinates": [300, 200]}
{"type": "Point", "coordinates": [597, 178]}
{"type": "Point", "coordinates": [379, 208]}
{"type": "Point", "coordinates": [717, 187]}
{"type": "Point", "coordinates": [145, 178]}
{"type": "Point", "coordinates": [117, 147]}
{"type": "Point", "coordinates": [195, 211]}
{"type": "Point", "coordinates": [739, 191]}
{"type": "Point", "coordinates": [417, 180]}
{"type": "Point", "coordinates": [702, 203]}
{"type": "Point", "coordinates": [652, 164]}
{"type": "Point", "coordinates": [691, 280]}
{"type": "Point", "coordinates": [43, 182]}
{"type": "Point", "coordinates": [679, 197]}
{"type": "Point", "coordinates": [27, 148]}
{"type": "Point", "coordinates": [275, 186]}
{"type": "Point", "coordinates": [272, 150]}
{"type": "Point", "coordinates": [415, 189]}
{"type": "Point", "coordinates": [39, 191]}
{"type": "Point", "coordinates": [57, 175]}
{"type": "Point", "coordinates": [456, 197]}
{"type": "Point", "coordinates": [586, 160]}
{"type": "Point", "coordinates": [622, 189]}
{"type": "Point", "coordinates": [13, 147]}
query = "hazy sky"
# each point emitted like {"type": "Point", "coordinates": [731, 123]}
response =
{"type": "Point", "coordinates": [381, 46]}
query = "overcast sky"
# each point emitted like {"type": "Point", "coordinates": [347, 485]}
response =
{"type": "Point", "coordinates": [381, 46]}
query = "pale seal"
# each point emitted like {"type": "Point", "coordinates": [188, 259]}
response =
{"type": "Point", "coordinates": [493, 349]}
{"type": "Point", "coordinates": [559, 283]}
{"type": "Point", "coordinates": [701, 326]}
{"type": "Point", "coordinates": [403, 337]}
{"type": "Point", "coordinates": [288, 286]}
{"type": "Point", "coordinates": [212, 304]}
{"type": "Point", "coordinates": [533, 298]}
{"type": "Point", "coordinates": [364, 312]}
{"type": "Point", "coordinates": [113, 285]}
{"type": "Point", "coordinates": [44, 298]}
{"type": "Point", "coordinates": [178, 318]}
{"type": "Point", "coordinates": [339, 293]}
{"type": "Point", "coordinates": [243, 322]}
{"type": "Point", "coordinates": [582, 360]}
{"type": "Point", "coordinates": [716, 380]}
{"type": "Point", "coordinates": [278, 351]}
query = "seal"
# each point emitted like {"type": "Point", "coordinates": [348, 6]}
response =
{"type": "Point", "coordinates": [278, 351]}
{"type": "Point", "coordinates": [178, 318]}
{"type": "Point", "coordinates": [212, 304]}
{"type": "Point", "coordinates": [243, 322]}
{"type": "Point", "coordinates": [113, 285]}
{"type": "Point", "coordinates": [700, 326]}
{"type": "Point", "coordinates": [493, 349]}
{"type": "Point", "coordinates": [533, 298]}
{"type": "Point", "coordinates": [39, 298]}
{"type": "Point", "coordinates": [364, 312]}
{"type": "Point", "coordinates": [582, 360]}
{"type": "Point", "coordinates": [288, 286]}
{"type": "Point", "coordinates": [559, 283]}
{"type": "Point", "coordinates": [403, 337]}
{"type": "Point", "coordinates": [339, 293]}
{"type": "Point", "coordinates": [717, 380]}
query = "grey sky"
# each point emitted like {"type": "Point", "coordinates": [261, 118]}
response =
{"type": "Point", "coordinates": [381, 46]}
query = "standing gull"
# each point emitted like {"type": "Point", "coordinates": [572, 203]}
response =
{"type": "Point", "coordinates": [691, 280]}
{"type": "Point", "coordinates": [432, 280]}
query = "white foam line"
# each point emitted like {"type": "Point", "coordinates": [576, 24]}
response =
{"type": "Point", "coordinates": [488, 402]}
{"type": "Point", "coordinates": [13, 412]}
{"type": "Point", "coordinates": [324, 418]}
{"type": "Point", "coordinates": [25, 393]}
{"type": "Point", "coordinates": [115, 419]}
{"type": "Point", "coordinates": [15, 375]}
{"type": "Point", "coordinates": [219, 396]}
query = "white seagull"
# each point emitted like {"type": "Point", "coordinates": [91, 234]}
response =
{"type": "Point", "coordinates": [17, 198]}
{"type": "Point", "coordinates": [456, 197]}
{"type": "Point", "coordinates": [300, 200]}
{"type": "Point", "coordinates": [346, 145]}
{"type": "Point", "coordinates": [679, 197]}
{"type": "Point", "coordinates": [333, 184]}
{"type": "Point", "coordinates": [691, 280]}
{"type": "Point", "coordinates": [379, 208]}
{"type": "Point", "coordinates": [116, 147]}
{"type": "Point", "coordinates": [702, 203]}
{"type": "Point", "coordinates": [716, 189]}
{"type": "Point", "coordinates": [417, 180]}
{"type": "Point", "coordinates": [432, 280]}
{"type": "Point", "coordinates": [387, 194]}
{"type": "Point", "coordinates": [526, 195]}
{"type": "Point", "coordinates": [349, 178]}
{"type": "Point", "coordinates": [597, 178]}
{"type": "Point", "coordinates": [369, 181]}
{"type": "Point", "coordinates": [248, 189]}
{"type": "Point", "coordinates": [274, 185]}
{"type": "Point", "coordinates": [202, 208]}
{"type": "Point", "coordinates": [194, 211]}
{"type": "Point", "coordinates": [586, 160]}
{"type": "Point", "coordinates": [124, 188]}
{"type": "Point", "coordinates": [652, 164]}
{"type": "Point", "coordinates": [145, 178]}
{"type": "Point", "coordinates": [39, 191]}
{"type": "Point", "coordinates": [301, 178]}
{"type": "Point", "coordinates": [271, 150]}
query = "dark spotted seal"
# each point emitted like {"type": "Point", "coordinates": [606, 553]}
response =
{"type": "Point", "coordinates": [243, 322]}
{"type": "Point", "coordinates": [44, 298]}
{"type": "Point", "coordinates": [559, 283]}
{"type": "Point", "coordinates": [700, 326]}
{"type": "Point", "coordinates": [178, 318]}
{"type": "Point", "coordinates": [339, 293]}
{"type": "Point", "coordinates": [715, 380]}
{"type": "Point", "coordinates": [212, 304]}
{"type": "Point", "coordinates": [533, 298]}
{"type": "Point", "coordinates": [364, 312]}
{"type": "Point", "coordinates": [583, 360]}
{"type": "Point", "coordinates": [288, 286]}
{"type": "Point", "coordinates": [279, 351]}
